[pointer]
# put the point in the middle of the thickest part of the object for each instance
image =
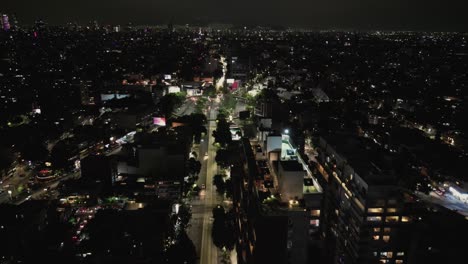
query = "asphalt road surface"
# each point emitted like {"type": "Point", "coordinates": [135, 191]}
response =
{"type": "Point", "coordinates": [202, 206]}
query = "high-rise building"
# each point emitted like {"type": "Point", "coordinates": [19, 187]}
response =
{"type": "Point", "coordinates": [5, 23]}
{"type": "Point", "coordinates": [362, 211]}
{"type": "Point", "coordinates": [367, 217]}
{"type": "Point", "coordinates": [282, 219]}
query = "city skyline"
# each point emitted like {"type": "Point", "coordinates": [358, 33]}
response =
{"type": "Point", "coordinates": [337, 14]}
{"type": "Point", "coordinates": [206, 132]}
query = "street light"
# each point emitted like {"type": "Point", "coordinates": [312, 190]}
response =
{"type": "Point", "coordinates": [286, 131]}
{"type": "Point", "coordinates": [175, 208]}
{"type": "Point", "coordinates": [9, 192]}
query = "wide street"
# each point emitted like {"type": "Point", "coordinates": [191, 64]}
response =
{"type": "Point", "coordinates": [202, 206]}
{"type": "Point", "coordinates": [447, 200]}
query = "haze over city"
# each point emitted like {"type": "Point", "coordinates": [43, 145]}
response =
{"type": "Point", "coordinates": [429, 15]}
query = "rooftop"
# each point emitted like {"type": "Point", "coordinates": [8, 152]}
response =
{"type": "Point", "coordinates": [367, 158]}
{"type": "Point", "coordinates": [291, 165]}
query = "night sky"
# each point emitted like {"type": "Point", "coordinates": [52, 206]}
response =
{"type": "Point", "coordinates": [435, 15]}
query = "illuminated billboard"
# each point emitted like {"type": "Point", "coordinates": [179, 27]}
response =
{"type": "Point", "coordinates": [173, 89]}
{"type": "Point", "coordinates": [236, 132]}
{"type": "Point", "coordinates": [235, 85]}
{"type": "Point", "coordinates": [167, 77]}
{"type": "Point", "coordinates": [107, 97]}
{"type": "Point", "coordinates": [159, 121]}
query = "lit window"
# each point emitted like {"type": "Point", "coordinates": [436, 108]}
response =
{"type": "Point", "coordinates": [391, 210]}
{"type": "Point", "coordinates": [405, 219]}
{"type": "Point", "coordinates": [375, 253]}
{"type": "Point", "coordinates": [391, 219]}
{"type": "Point", "coordinates": [375, 210]}
{"type": "Point", "coordinates": [315, 212]}
{"type": "Point", "coordinates": [374, 218]}
{"type": "Point", "coordinates": [387, 230]}
{"type": "Point", "coordinates": [376, 229]}
{"type": "Point", "coordinates": [384, 261]}
{"type": "Point", "coordinates": [376, 237]}
{"type": "Point", "coordinates": [386, 238]}
{"type": "Point", "coordinates": [383, 254]}
{"type": "Point", "coordinates": [390, 254]}
{"type": "Point", "coordinates": [400, 254]}
{"type": "Point", "coordinates": [398, 261]}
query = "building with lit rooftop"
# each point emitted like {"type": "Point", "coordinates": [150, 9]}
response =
{"type": "Point", "coordinates": [367, 216]}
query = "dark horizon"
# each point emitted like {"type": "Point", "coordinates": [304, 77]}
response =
{"type": "Point", "coordinates": [366, 15]}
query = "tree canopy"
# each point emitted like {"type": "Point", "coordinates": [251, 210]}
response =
{"type": "Point", "coordinates": [222, 134]}
{"type": "Point", "coordinates": [223, 231]}
{"type": "Point", "coordinates": [169, 103]}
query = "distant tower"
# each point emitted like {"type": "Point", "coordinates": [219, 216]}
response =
{"type": "Point", "coordinates": [5, 23]}
{"type": "Point", "coordinates": [170, 26]}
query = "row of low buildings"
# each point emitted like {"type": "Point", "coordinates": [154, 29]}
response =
{"type": "Point", "coordinates": [148, 88]}
{"type": "Point", "coordinates": [152, 166]}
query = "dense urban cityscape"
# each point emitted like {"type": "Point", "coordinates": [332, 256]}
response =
{"type": "Point", "coordinates": [231, 144]}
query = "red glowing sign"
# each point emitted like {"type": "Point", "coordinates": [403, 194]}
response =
{"type": "Point", "coordinates": [44, 172]}
{"type": "Point", "coordinates": [235, 85]}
